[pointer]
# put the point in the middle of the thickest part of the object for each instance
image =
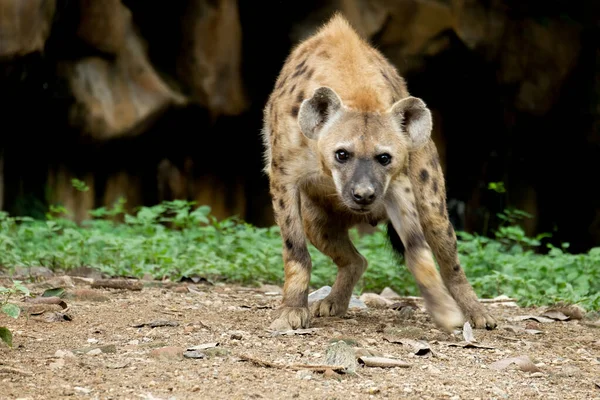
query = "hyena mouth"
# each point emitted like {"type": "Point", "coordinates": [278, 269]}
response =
{"type": "Point", "coordinates": [360, 210]}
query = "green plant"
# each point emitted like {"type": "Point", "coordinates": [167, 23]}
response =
{"type": "Point", "coordinates": [178, 239]}
{"type": "Point", "coordinates": [10, 309]}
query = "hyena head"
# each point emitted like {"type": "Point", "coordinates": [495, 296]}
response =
{"type": "Point", "coordinates": [363, 151]}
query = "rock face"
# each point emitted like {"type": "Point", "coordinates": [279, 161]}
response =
{"type": "Point", "coordinates": [24, 26]}
{"type": "Point", "coordinates": [159, 102]}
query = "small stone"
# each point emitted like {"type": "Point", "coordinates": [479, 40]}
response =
{"type": "Point", "coordinates": [189, 329]}
{"type": "Point", "coordinates": [374, 300]}
{"type": "Point", "coordinates": [569, 371]}
{"type": "Point", "coordinates": [83, 390]}
{"type": "Point", "coordinates": [536, 375]}
{"type": "Point", "coordinates": [181, 289]}
{"type": "Point", "coordinates": [236, 336]}
{"type": "Point", "coordinates": [433, 369]}
{"type": "Point", "coordinates": [329, 373]}
{"type": "Point", "coordinates": [168, 353]}
{"type": "Point", "coordinates": [216, 352]}
{"type": "Point", "coordinates": [373, 390]}
{"type": "Point", "coordinates": [63, 354]}
{"type": "Point", "coordinates": [94, 352]}
{"type": "Point", "coordinates": [304, 374]}
{"type": "Point", "coordinates": [340, 353]}
{"type": "Point", "coordinates": [92, 340]}
{"type": "Point", "coordinates": [389, 294]}
{"type": "Point", "coordinates": [194, 354]}
{"type": "Point", "coordinates": [109, 348]}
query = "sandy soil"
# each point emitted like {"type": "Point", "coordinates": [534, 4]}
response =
{"type": "Point", "coordinates": [49, 359]}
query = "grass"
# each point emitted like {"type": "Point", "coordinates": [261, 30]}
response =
{"type": "Point", "coordinates": [176, 240]}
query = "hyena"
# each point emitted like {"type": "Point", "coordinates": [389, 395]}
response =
{"type": "Point", "coordinates": [345, 143]}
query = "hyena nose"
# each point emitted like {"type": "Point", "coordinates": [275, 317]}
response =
{"type": "Point", "coordinates": [363, 195]}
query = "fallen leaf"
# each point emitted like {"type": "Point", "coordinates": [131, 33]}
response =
{"type": "Point", "coordinates": [57, 316]}
{"type": "Point", "coordinates": [399, 305]}
{"type": "Point", "coordinates": [54, 292]}
{"type": "Point", "coordinates": [468, 345]}
{"type": "Point", "coordinates": [157, 323]}
{"type": "Point", "coordinates": [557, 315]}
{"type": "Point", "coordinates": [6, 336]}
{"type": "Point", "coordinates": [292, 332]}
{"type": "Point", "coordinates": [203, 346]}
{"type": "Point", "coordinates": [523, 362]}
{"type": "Point", "coordinates": [533, 317]}
{"type": "Point", "coordinates": [269, 364]}
{"type": "Point", "coordinates": [533, 331]}
{"type": "Point", "coordinates": [420, 348]}
{"type": "Point", "coordinates": [518, 329]}
{"type": "Point", "coordinates": [468, 332]}
{"type": "Point", "coordinates": [572, 311]}
{"type": "Point", "coordinates": [382, 362]}
{"type": "Point", "coordinates": [11, 310]}
{"type": "Point", "coordinates": [48, 300]}
{"type": "Point", "coordinates": [118, 284]}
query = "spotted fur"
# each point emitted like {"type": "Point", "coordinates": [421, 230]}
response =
{"type": "Point", "coordinates": [345, 143]}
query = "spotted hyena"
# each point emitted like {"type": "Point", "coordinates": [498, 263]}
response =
{"type": "Point", "coordinates": [346, 143]}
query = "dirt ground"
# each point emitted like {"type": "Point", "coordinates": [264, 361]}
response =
{"type": "Point", "coordinates": [100, 353]}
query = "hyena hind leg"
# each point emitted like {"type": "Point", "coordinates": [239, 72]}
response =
{"type": "Point", "coordinates": [430, 194]}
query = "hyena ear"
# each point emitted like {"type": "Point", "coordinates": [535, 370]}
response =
{"type": "Point", "coordinates": [415, 119]}
{"type": "Point", "coordinates": [317, 110]}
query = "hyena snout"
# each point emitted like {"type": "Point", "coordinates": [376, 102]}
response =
{"type": "Point", "coordinates": [363, 194]}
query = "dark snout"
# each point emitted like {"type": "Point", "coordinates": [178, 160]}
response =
{"type": "Point", "coordinates": [363, 194]}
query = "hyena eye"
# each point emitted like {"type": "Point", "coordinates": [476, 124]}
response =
{"type": "Point", "coordinates": [342, 156]}
{"type": "Point", "coordinates": [384, 159]}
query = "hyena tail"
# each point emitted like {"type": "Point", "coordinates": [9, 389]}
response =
{"type": "Point", "coordinates": [395, 240]}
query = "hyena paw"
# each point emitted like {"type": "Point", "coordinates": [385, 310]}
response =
{"type": "Point", "coordinates": [291, 318]}
{"type": "Point", "coordinates": [478, 316]}
{"type": "Point", "coordinates": [329, 307]}
{"type": "Point", "coordinates": [445, 312]}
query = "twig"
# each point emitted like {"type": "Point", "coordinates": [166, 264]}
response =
{"type": "Point", "coordinates": [117, 284]}
{"type": "Point", "coordinates": [269, 364]}
{"type": "Point", "coordinates": [417, 298]}
{"type": "Point", "coordinates": [11, 370]}
{"type": "Point", "coordinates": [509, 300]}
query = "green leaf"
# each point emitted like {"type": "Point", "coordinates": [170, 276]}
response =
{"type": "Point", "coordinates": [6, 336]}
{"type": "Point", "coordinates": [54, 292]}
{"type": "Point", "coordinates": [11, 310]}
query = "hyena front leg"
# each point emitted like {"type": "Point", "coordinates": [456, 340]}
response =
{"type": "Point", "coordinates": [430, 192]}
{"type": "Point", "coordinates": [329, 234]}
{"type": "Point", "coordinates": [402, 213]}
{"type": "Point", "coordinates": [293, 313]}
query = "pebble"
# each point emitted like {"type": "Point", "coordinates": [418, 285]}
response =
{"type": "Point", "coordinates": [168, 353]}
{"type": "Point", "coordinates": [304, 374]}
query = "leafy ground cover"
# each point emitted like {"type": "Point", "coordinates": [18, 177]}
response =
{"type": "Point", "coordinates": [176, 240]}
